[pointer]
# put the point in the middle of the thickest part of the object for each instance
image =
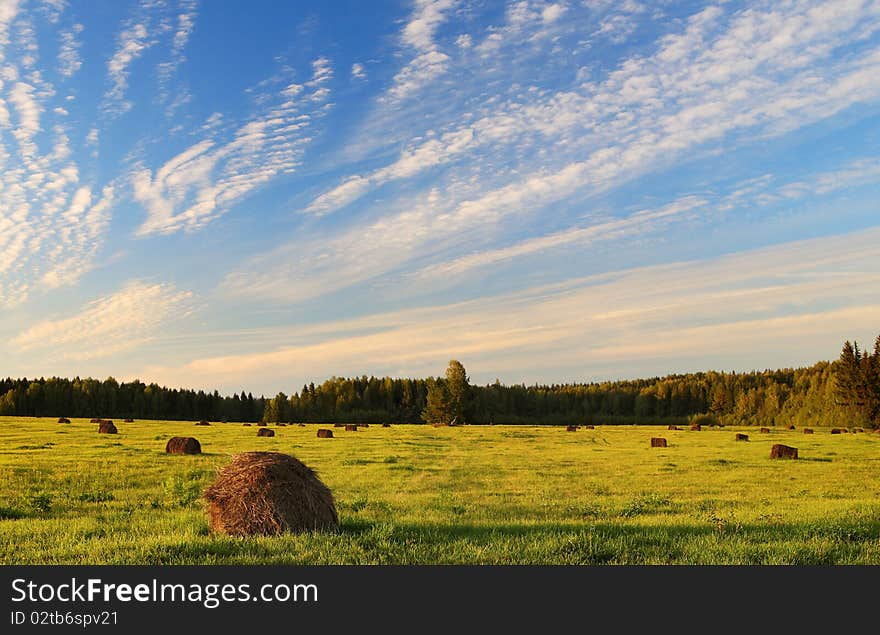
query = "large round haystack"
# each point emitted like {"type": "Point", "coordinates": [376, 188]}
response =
{"type": "Point", "coordinates": [266, 493]}
{"type": "Point", "coordinates": [780, 451]}
{"type": "Point", "coordinates": [324, 433]}
{"type": "Point", "coordinates": [571, 428]}
{"type": "Point", "coordinates": [107, 427]}
{"type": "Point", "coordinates": [265, 432]}
{"type": "Point", "coordinates": [742, 437]}
{"type": "Point", "coordinates": [658, 442]}
{"type": "Point", "coordinates": [183, 445]}
{"type": "Point", "coordinates": [351, 427]}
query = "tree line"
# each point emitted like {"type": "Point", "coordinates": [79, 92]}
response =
{"type": "Point", "coordinates": [57, 397]}
{"type": "Point", "coordinates": [845, 392]}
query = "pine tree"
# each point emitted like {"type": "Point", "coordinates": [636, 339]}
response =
{"type": "Point", "coordinates": [437, 407]}
{"type": "Point", "coordinates": [458, 389]}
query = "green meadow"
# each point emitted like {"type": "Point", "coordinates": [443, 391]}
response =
{"type": "Point", "coordinates": [464, 495]}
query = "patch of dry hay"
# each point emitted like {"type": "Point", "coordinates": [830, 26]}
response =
{"type": "Point", "coordinates": [268, 493]}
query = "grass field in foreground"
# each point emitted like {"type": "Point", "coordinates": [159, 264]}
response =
{"type": "Point", "coordinates": [422, 495]}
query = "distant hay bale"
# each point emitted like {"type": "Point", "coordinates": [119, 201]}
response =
{"type": "Point", "coordinates": [780, 451]}
{"type": "Point", "coordinates": [107, 427]}
{"type": "Point", "coordinates": [260, 424]}
{"type": "Point", "coordinates": [764, 430]}
{"type": "Point", "coordinates": [95, 421]}
{"type": "Point", "coordinates": [203, 423]}
{"type": "Point", "coordinates": [183, 445]}
{"type": "Point", "coordinates": [658, 442]}
{"type": "Point", "coordinates": [835, 430]}
{"type": "Point", "coordinates": [63, 420]}
{"type": "Point", "coordinates": [859, 430]}
{"type": "Point", "coordinates": [129, 421]}
{"type": "Point", "coordinates": [571, 428]}
{"type": "Point", "coordinates": [281, 425]}
{"type": "Point", "coordinates": [792, 427]}
{"type": "Point", "coordinates": [672, 427]}
{"type": "Point", "coordinates": [742, 437]}
{"type": "Point", "coordinates": [351, 427]}
{"type": "Point", "coordinates": [844, 430]}
{"type": "Point", "coordinates": [265, 432]}
{"type": "Point", "coordinates": [808, 431]}
{"type": "Point", "coordinates": [363, 425]}
{"type": "Point", "coordinates": [324, 433]}
{"type": "Point", "coordinates": [301, 425]}
{"type": "Point", "coordinates": [246, 425]}
{"type": "Point", "coordinates": [590, 427]}
{"type": "Point", "coordinates": [696, 426]}
{"type": "Point", "coordinates": [338, 425]}
{"type": "Point", "coordinates": [269, 493]}
{"type": "Point", "coordinates": [386, 425]}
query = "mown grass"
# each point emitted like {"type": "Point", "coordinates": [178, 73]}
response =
{"type": "Point", "coordinates": [419, 495]}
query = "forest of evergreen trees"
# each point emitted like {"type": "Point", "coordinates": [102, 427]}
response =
{"type": "Point", "coordinates": [845, 392]}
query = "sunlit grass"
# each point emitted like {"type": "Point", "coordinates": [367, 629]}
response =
{"type": "Point", "coordinates": [418, 494]}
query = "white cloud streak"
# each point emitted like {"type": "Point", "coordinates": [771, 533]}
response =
{"type": "Point", "coordinates": [764, 301]}
{"type": "Point", "coordinates": [118, 322]}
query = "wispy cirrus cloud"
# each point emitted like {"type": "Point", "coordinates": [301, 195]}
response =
{"type": "Point", "coordinates": [69, 61]}
{"type": "Point", "coordinates": [753, 307]}
{"type": "Point", "coordinates": [205, 180]}
{"type": "Point", "coordinates": [124, 320]}
{"type": "Point", "coordinates": [53, 218]}
{"type": "Point", "coordinates": [726, 76]}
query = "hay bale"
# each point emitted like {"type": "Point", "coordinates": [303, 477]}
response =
{"type": "Point", "coordinates": [764, 430]}
{"type": "Point", "coordinates": [203, 423]}
{"type": "Point", "coordinates": [571, 428]}
{"type": "Point", "coordinates": [835, 430]}
{"type": "Point", "coordinates": [658, 442]}
{"type": "Point", "coordinates": [792, 427]}
{"type": "Point", "coordinates": [261, 424]}
{"type": "Point", "coordinates": [265, 432]}
{"type": "Point", "coordinates": [129, 421]}
{"type": "Point", "coordinates": [672, 427]}
{"type": "Point", "coordinates": [246, 425]}
{"type": "Point", "coordinates": [859, 430]}
{"type": "Point", "coordinates": [351, 427]}
{"type": "Point", "coordinates": [808, 431]}
{"type": "Point", "coordinates": [386, 425]}
{"type": "Point", "coordinates": [95, 421]}
{"type": "Point", "coordinates": [301, 425]}
{"type": "Point", "coordinates": [107, 427]}
{"type": "Point", "coordinates": [696, 427]}
{"type": "Point", "coordinates": [363, 425]}
{"type": "Point", "coordinates": [742, 437]}
{"type": "Point", "coordinates": [590, 427]}
{"type": "Point", "coordinates": [780, 451]}
{"type": "Point", "coordinates": [63, 420]}
{"type": "Point", "coordinates": [281, 425]}
{"type": "Point", "coordinates": [268, 493]}
{"type": "Point", "coordinates": [324, 433]}
{"type": "Point", "coordinates": [183, 445]}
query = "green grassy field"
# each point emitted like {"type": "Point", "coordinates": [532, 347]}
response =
{"type": "Point", "coordinates": [421, 495]}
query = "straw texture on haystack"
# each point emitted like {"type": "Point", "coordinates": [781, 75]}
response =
{"type": "Point", "coordinates": [107, 427]}
{"type": "Point", "coordinates": [183, 445]}
{"type": "Point", "coordinates": [267, 493]}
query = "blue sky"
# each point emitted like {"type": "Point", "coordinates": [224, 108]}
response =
{"type": "Point", "coordinates": [261, 194]}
